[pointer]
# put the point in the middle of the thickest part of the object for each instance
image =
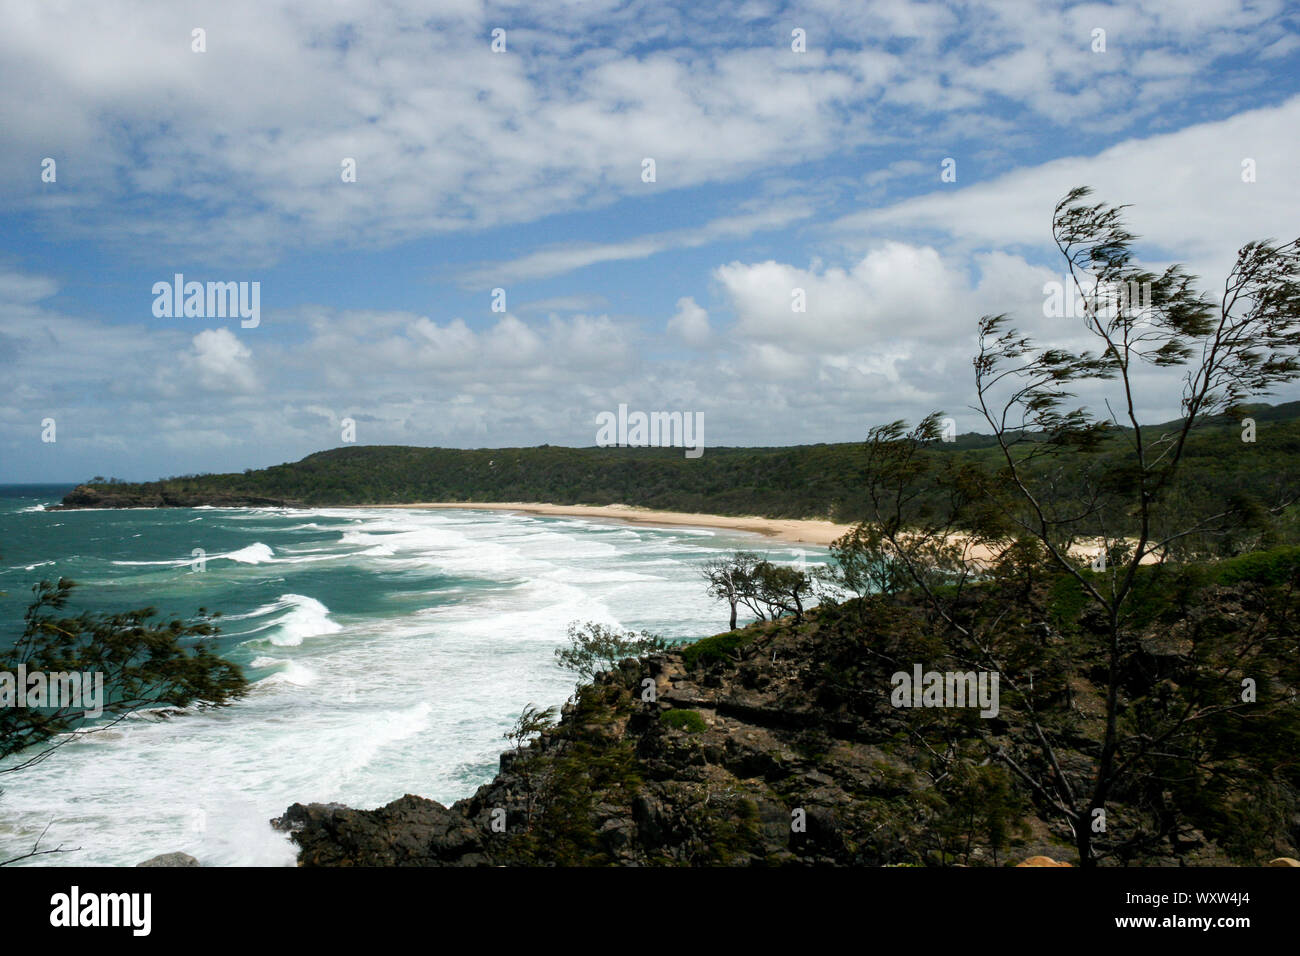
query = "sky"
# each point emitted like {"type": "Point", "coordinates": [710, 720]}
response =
{"type": "Point", "coordinates": [896, 161]}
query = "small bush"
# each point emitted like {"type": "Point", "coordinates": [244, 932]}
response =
{"type": "Point", "coordinates": [594, 647]}
{"type": "Point", "coordinates": [687, 720]}
{"type": "Point", "coordinates": [712, 649]}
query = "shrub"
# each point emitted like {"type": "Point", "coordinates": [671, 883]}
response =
{"type": "Point", "coordinates": [687, 720]}
{"type": "Point", "coordinates": [712, 649]}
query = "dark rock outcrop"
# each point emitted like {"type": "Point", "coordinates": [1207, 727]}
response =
{"type": "Point", "coordinates": [170, 859]}
{"type": "Point", "coordinates": [156, 496]}
{"type": "Point", "coordinates": [411, 831]}
{"type": "Point", "coordinates": [785, 775]}
{"type": "Point", "coordinates": [782, 744]}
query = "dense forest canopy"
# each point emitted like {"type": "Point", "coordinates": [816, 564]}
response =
{"type": "Point", "coordinates": [804, 481]}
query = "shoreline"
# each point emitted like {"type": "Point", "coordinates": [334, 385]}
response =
{"type": "Point", "coordinates": [793, 530]}
{"type": "Point", "coordinates": [811, 531]}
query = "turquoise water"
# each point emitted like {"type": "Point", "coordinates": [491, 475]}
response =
{"type": "Point", "coordinates": [390, 650]}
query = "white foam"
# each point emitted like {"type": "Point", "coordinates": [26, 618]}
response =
{"type": "Point", "coordinates": [365, 710]}
{"type": "Point", "coordinates": [310, 558]}
{"type": "Point", "coordinates": [256, 553]}
{"type": "Point", "coordinates": [306, 617]}
{"type": "Point", "coordinates": [294, 674]}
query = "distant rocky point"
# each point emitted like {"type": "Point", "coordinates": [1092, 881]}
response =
{"type": "Point", "coordinates": [157, 496]}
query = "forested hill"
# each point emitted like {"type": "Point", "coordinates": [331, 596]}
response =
{"type": "Point", "coordinates": [804, 481]}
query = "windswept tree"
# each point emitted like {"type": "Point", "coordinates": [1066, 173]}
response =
{"type": "Point", "coordinates": [531, 722]}
{"type": "Point", "coordinates": [1147, 711]}
{"type": "Point", "coordinates": [769, 590]}
{"type": "Point", "coordinates": [1247, 343]}
{"type": "Point", "coordinates": [145, 663]}
{"type": "Point", "coordinates": [730, 578]}
{"type": "Point", "coordinates": [930, 523]}
{"type": "Point", "coordinates": [596, 647]}
{"type": "Point", "coordinates": [781, 589]}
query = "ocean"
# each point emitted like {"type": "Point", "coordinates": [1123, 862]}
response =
{"type": "Point", "coordinates": [389, 651]}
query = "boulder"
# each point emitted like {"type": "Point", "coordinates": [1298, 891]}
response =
{"type": "Point", "coordinates": [1043, 861]}
{"type": "Point", "coordinates": [411, 831]}
{"type": "Point", "coordinates": [171, 859]}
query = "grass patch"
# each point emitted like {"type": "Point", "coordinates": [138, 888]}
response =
{"type": "Point", "coordinates": [717, 648]}
{"type": "Point", "coordinates": [687, 720]}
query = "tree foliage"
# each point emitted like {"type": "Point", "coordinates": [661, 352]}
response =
{"type": "Point", "coordinates": [1069, 476]}
{"type": "Point", "coordinates": [596, 647]}
{"type": "Point", "coordinates": [146, 663]}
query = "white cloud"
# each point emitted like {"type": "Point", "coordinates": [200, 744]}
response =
{"type": "Point", "coordinates": [566, 303]}
{"type": "Point", "coordinates": [236, 153]}
{"type": "Point", "coordinates": [559, 259]}
{"type": "Point", "coordinates": [690, 323]}
{"type": "Point", "coordinates": [895, 289]}
{"type": "Point", "coordinates": [16, 287]}
{"type": "Point", "coordinates": [511, 343]}
{"type": "Point", "coordinates": [246, 140]}
{"type": "Point", "coordinates": [222, 362]}
{"type": "Point", "coordinates": [1190, 200]}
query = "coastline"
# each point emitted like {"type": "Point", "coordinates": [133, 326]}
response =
{"type": "Point", "coordinates": [793, 530]}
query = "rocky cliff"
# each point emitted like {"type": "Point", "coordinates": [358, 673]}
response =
{"type": "Point", "coordinates": [757, 748]}
{"type": "Point", "coordinates": [729, 764]}
{"type": "Point", "coordinates": [781, 743]}
{"type": "Point", "coordinates": [156, 495]}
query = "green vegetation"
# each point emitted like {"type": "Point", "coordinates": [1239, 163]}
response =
{"type": "Point", "coordinates": [144, 662]}
{"type": "Point", "coordinates": [1206, 722]}
{"type": "Point", "coordinates": [808, 481]}
{"type": "Point", "coordinates": [687, 720]}
{"type": "Point", "coordinates": [719, 648]}
{"type": "Point", "coordinates": [1159, 669]}
{"type": "Point", "coordinates": [594, 647]}
{"type": "Point", "coordinates": [530, 722]}
{"type": "Point", "coordinates": [562, 776]}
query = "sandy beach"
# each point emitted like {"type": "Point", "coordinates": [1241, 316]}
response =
{"type": "Point", "coordinates": [793, 530]}
{"type": "Point", "coordinates": [798, 531]}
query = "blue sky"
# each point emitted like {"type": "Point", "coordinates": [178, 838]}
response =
{"type": "Point", "coordinates": [522, 170]}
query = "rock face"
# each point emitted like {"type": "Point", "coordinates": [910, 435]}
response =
{"type": "Point", "coordinates": [738, 760]}
{"type": "Point", "coordinates": [778, 744]}
{"type": "Point", "coordinates": [411, 831]}
{"type": "Point", "coordinates": [155, 496]}
{"type": "Point", "coordinates": [170, 859]}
